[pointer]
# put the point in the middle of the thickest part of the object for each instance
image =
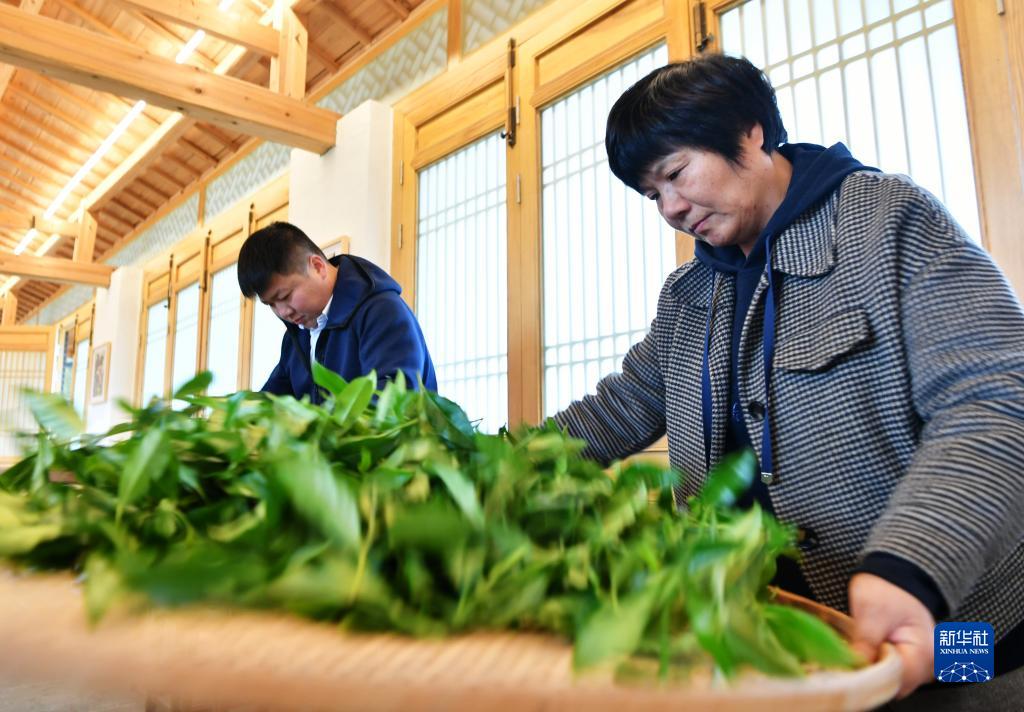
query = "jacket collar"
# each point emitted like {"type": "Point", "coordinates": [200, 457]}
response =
{"type": "Point", "coordinates": [807, 248]}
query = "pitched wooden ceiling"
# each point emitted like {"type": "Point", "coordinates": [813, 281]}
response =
{"type": "Point", "coordinates": [49, 128]}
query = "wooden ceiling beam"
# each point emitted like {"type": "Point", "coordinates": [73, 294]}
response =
{"type": "Point", "coordinates": [200, 15]}
{"type": "Point", "coordinates": [6, 70]}
{"type": "Point", "coordinates": [22, 221]}
{"type": "Point", "coordinates": [347, 22]}
{"type": "Point", "coordinates": [55, 269]}
{"type": "Point", "coordinates": [121, 68]}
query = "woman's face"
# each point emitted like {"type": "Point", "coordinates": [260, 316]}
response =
{"type": "Point", "coordinates": [704, 195]}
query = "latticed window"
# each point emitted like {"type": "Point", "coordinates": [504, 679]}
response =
{"type": "Point", "coordinates": [882, 76]}
{"type": "Point", "coordinates": [605, 253]}
{"type": "Point", "coordinates": [267, 334]}
{"type": "Point", "coordinates": [222, 345]}
{"type": "Point", "coordinates": [462, 267]}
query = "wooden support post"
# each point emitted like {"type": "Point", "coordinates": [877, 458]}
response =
{"type": "Point", "coordinates": [10, 310]}
{"type": "Point", "coordinates": [288, 68]}
{"type": "Point", "coordinates": [85, 242]}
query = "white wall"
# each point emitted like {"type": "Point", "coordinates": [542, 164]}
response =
{"type": "Point", "coordinates": [117, 320]}
{"type": "Point", "coordinates": [347, 191]}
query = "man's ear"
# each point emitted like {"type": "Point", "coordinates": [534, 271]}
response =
{"type": "Point", "coordinates": [317, 265]}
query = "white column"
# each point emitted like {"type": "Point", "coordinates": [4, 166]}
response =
{"type": "Point", "coordinates": [118, 310]}
{"type": "Point", "coordinates": [347, 191]}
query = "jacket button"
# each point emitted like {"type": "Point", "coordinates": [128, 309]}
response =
{"type": "Point", "coordinates": [806, 539]}
{"type": "Point", "coordinates": [756, 409]}
{"type": "Point", "coordinates": [767, 477]}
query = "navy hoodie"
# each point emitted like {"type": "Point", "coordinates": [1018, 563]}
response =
{"type": "Point", "coordinates": [817, 173]}
{"type": "Point", "coordinates": [369, 327]}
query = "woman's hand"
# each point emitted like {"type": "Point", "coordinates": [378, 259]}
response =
{"type": "Point", "coordinates": [884, 612]}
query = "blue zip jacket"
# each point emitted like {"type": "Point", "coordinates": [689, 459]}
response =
{"type": "Point", "coordinates": [368, 327]}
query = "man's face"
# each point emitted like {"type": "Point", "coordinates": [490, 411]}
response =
{"type": "Point", "coordinates": [300, 297]}
{"type": "Point", "coordinates": [704, 195]}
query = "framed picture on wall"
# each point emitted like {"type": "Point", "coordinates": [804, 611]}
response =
{"type": "Point", "coordinates": [99, 373]}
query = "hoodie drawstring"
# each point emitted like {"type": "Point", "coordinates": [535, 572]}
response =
{"type": "Point", "coordinates": [768, 355]}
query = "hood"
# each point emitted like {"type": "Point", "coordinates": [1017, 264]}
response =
{"type": "Point", "coordinates": [358, 280]}
{"type": "Point", "coordinates": [817, 172]}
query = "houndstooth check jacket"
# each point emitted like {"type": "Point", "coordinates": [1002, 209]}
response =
{"type": "Point", "coordinates": [897, 394]}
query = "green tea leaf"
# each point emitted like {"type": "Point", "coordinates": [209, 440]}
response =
{"type": "Point", "coordinates": [146, 463]}
{"type": "Point", "coordinates": [194, 386]}
{"type": "Point", "coordinates": [54, 414]}
{"type": "Point", "coordinates": [323, 499]}
{"type": "Point", "coordinates": [613, 631]}
{"type": "Point", "coordinates": [729, 479]}
{"type": "Point", "coordinates": [809, 638]}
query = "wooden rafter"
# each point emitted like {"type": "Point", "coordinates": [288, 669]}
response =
{"type": "Point", "coordinates": [135, 195]}
{"type": "Point", "coordinates": [321, 55]}
{"type": "Point", "coordinates": [347, 22]}
{"type": "Point", "coordinates": [57, 112]}
{"type": "Point", "coordinates": [195, 172]}
{"type": "Point", "coordinates": [27, 187]}
{"type": "Point", "coordinates": [108, 160]}
{"type": "Point", "coordinates": [158, 171]}
{"type": "Point", "coordinates": [163, 195]}
{"type": "Point", "coordinates": [217, 135]}
{"type": "Point", "coordinates": [119, 67]}
{"type": "Point", "coordinates": [200, 152]}
{"type": "Point", "coordinates": [35, 158]}
{"type": "Point", "coordinates": [70, 93]}
{"type": "Point", "coordinates": [37, 142]}
{"type": "Point", "coordinates": [170, 36]}
{"type": "Point", "coordinates": [204, 16]}
{"type": "Point", "coordinates": [55, 269]}
{"type": "Point", "coordinates": [108, 213]}
{"type": "Point", "coordinates": [397, 8]}
{"type": "Point", "coordinates": [92, 20]}
{"type": "Point", "coordinates": [121, 205]}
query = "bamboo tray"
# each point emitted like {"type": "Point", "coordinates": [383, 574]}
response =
{"type": "Point", "coordinates": [215, 659]}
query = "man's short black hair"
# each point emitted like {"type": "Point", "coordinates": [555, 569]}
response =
{"type": "Point", "coordinates": [278, 249]}
{"type": "Point", "coordinates": [706, 103]}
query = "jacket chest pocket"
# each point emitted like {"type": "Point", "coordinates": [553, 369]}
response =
{"type": "Point", "coordinates": [817, 348]}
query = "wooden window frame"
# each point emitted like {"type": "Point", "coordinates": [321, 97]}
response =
{"type": "Point", "coordinates": [204, 251]}
{"type": "Point", "coordinates": [559, 48]}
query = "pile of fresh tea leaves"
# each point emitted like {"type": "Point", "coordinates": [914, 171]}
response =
{"type": "Point", "coordinates": [389, 511]}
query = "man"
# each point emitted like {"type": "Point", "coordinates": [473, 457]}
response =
{"type": "Point", "coordinates": [839, 321]}
{"type": "Point", "coordinates": [345, 313]}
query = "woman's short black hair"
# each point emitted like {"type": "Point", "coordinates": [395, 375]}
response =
{"type": "Point", "coordinates": [279, 248]}
{"type": "Point", "coordinates": [706, 103]}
